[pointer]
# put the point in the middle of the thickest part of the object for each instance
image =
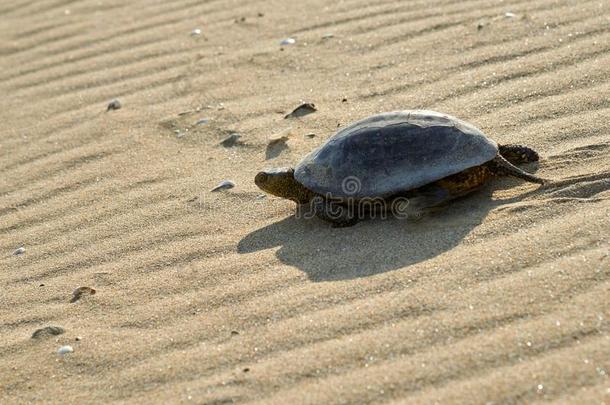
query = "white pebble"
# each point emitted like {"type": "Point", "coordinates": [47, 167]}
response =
{"type": "Point", "coordinates": [19, 251]}
{"type": "Point", "coordinates": [195, 32]}
{"type": "Point", "coordinates": [288, 41]}
{"type": "Point", "coordinates": [64, 350]}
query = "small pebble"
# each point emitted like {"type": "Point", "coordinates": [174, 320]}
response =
{"type": "Point", "coordinates": [114, 105]}
{"type": "Point", "coordinates": [80, 291]}
{"type": "Point", "coordinates": [234, 332]}
{"type": "Point", "coordinates": [278, 141]}
{"type": "Point", "coordinates": [328, 36]}
{"type": "Point", "coordinates": [311, 135]}
{"type": "Point", "coordinates": [202, 121]}
{"type": "Point", "coordinates": [19, 251]}
{"type": "Point", "coordinates": [344, 100]}
{"type": "Point", "coordinates": [78, 338]}
{"type": "Point", "coordinates": [47, 331]}
{"type": "Point", "coordinates": [261, 196]}
{"type": "Point", "coordinates": [509, 15]}
{"type": "Point", "coordinates": [231, 140]}
{"type": "Point", "coordinates": [302, 110]}
{"type": "Point", "coordinates": [64, 350]}
{"type": "Point", "coordinates": [246, 370]}
{"type": "Point", "coordinates": [196, 32]}
{"type": "Point", "coordinates": [223, 185]}
{"type": "Point", "coordinates": [288, 41]}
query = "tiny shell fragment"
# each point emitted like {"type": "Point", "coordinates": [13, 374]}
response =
{"type": "Point", "coordinates": [78, 293]}
{"type": "Point", "coordinates": [114, 105]}
{"type": "Point", "coordinates": [64, 350]}
{"type": "Point", "coordinates": [19, 251]}
{"type": "Point", "coordinates": [196, 32]}
{"type": "Point", "coordinates": [47, 331]}
{"type": "Point", "coordinates": [223, 185]}
{"type": "Point", "coordinates": [231, 140]}
{"type": "Point", "coordinates": [302, 110]}
{"type": "Point", "coordinates": [275, 147]}
{"type": "Point", "coordinates": [279, 140]}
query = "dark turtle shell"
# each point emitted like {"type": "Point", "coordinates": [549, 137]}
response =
{"type": "Point", "coordinates": [393, 152]}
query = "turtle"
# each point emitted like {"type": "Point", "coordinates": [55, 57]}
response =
{"type": "Point", "coordinates": [405, 162]}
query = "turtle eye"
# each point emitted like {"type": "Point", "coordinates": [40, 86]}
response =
{"type": "Point", "coordinates": [261, 178]}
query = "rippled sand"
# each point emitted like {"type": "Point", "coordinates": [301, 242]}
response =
{"type": "Point", "coordinates": [225, 297]}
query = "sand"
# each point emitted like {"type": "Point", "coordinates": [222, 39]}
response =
{"type": "Point", "coordinates": [226, 297]}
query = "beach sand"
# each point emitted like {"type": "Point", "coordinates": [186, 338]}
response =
{"type": "Point", "coordinates": [226, 297]}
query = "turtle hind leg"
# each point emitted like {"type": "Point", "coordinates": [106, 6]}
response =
{"type": "Point", "coordinates": [417, 203]}
{"type": "Point", "coordinates": [433, 197]}
{"type": "Point", "coordinates": [518, 154]}
{"type": "Point", "coordinates": [502, 167]}
{"type": "Point", "coordinates": [464, 182]}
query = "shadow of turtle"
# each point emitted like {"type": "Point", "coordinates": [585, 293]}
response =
{"type": "Point", "coordinates": [373, 246]}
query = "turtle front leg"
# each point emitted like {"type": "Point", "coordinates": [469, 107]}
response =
{"type": "Point", "coordinates": [337, 214]}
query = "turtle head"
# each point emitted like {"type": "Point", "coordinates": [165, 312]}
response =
{"type": "Point", "coordinates": [281, 182]}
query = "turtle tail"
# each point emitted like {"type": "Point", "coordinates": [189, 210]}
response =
{"type": "Point", "coordinates": [502, 167]}
{"type": "Point", "coordinates": [518, 154]}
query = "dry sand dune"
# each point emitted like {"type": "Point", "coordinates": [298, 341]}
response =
{"type": "Point", "coordinates": [225, 297]}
